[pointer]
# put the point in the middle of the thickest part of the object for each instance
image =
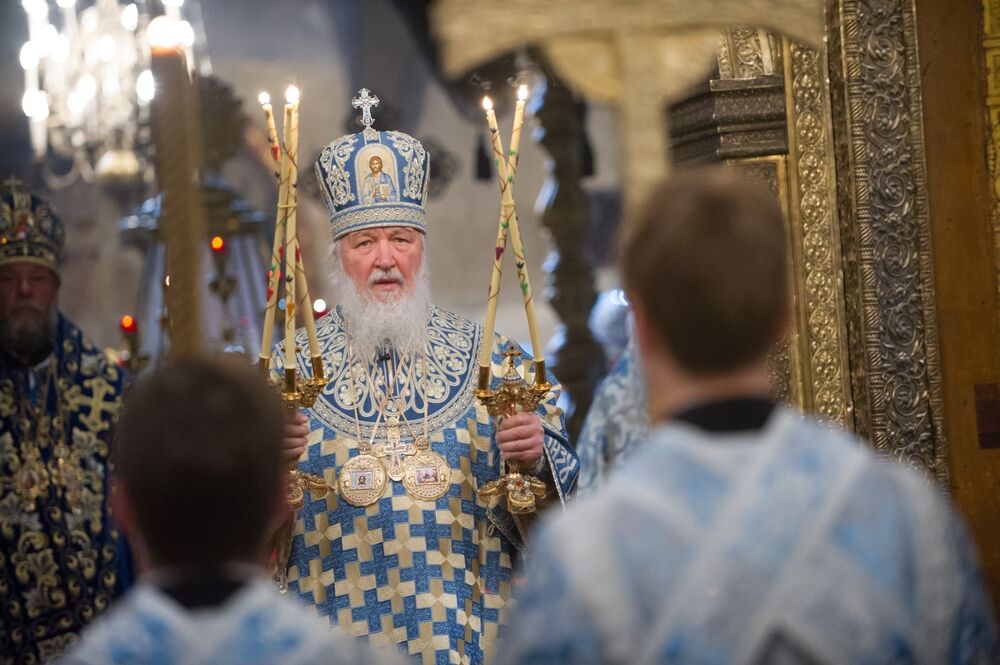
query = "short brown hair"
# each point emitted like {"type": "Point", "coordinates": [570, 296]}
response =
{"type": "Point", "coordinates": [199, 455]}
{"type": "Point", "coordinates": [707, 260]}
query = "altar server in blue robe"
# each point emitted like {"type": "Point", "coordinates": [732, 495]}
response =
{"type": "Point", "coordinates": [199, 444]}
{"type": "Point", "coordinates": [742, 531]}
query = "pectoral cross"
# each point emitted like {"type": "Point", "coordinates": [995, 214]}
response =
{"type": "Point", "coordinates": [394, 449]}
{"type": "Point", "coordinates": [366, 102]}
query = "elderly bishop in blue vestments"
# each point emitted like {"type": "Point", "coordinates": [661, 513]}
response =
{"type": "Point", "coordinates": [403, 551]}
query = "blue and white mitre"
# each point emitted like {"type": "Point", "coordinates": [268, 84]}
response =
{"type": "Point", "coordinates": [373, 179]}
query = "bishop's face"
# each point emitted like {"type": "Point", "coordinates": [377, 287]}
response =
{"type": "Point", "coordinates": [383, 263]}
{"type": "Point", "coordinates": [27, 300]}
{"type": "Point", "coordinates": [26, 287]}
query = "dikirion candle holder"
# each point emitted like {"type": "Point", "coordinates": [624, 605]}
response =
{"type": "Point", "coordinates": [514, 394]}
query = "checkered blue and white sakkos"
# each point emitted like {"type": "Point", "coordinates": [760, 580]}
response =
{"type": "Point", "coordinates": [431, 576]}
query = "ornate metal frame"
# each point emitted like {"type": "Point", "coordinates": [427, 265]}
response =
{"type": "Point", "coordinates": [731, 118]}
{"type": "Point", "coordinates": [881, 188]}
{"type": "Point", "coordinates": [863, 351]}
{"type": "Point", "coordinates": [816, 255]}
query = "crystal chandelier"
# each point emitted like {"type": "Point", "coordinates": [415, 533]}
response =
{"type": "Point", "coordinates": [88, 87]}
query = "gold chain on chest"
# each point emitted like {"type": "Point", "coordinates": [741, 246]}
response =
{"type": "Point", "coordinates": [425, 474]}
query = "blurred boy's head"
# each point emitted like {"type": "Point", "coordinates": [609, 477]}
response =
{"type": "Point", "coordinates": [199, 462]}
{"type": "Point", "coordinates": [706, 270]}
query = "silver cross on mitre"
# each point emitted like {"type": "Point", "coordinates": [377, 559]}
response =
{"type": "Point", "coordinates": [366, 101]}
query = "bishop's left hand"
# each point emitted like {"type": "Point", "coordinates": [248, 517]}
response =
{"type": "Point", "coordinates": [521, 438]}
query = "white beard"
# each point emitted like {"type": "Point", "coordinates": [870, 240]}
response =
{"type": "Point", "coordinates": [374, 324]}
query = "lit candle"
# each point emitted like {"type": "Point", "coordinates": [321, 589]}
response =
{"type": "Point", "coordinates": [290, 130]}
{"type": "Point", "coordinates": [300, 282]}
{"type": "Point", "coordinates": [272, 132]}
{"type": "Point", "coordinates": [515, 136]}
{"type": "Point", "coordinates": [34, 102]}
{"type": "Point", "coordinates": [68, 8]}
{"type": "Point", "coordinates": [128, 325]}
{"type": "Point", "coordinates": [182, 218]}
{"type": "Point", "coordinates": [276, 265]}
{"type": "Point", "coordinates": [497, 269]}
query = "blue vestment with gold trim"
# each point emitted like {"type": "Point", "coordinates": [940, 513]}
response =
{"type": "Point", "coordinates": [61, 560]}
{"type": "Point", "coordinates": [431, 576]}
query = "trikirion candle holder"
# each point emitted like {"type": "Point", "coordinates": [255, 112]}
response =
{"type": "Point", "coordinates": [285, 268]}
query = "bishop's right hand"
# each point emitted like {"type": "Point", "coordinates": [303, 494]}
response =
{"type": "Point", "coordinates": [294, 441]}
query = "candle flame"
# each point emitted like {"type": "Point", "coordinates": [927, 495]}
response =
{"type": "Point", "coordinates": [487, 104]}
{"type": "Point", "coordinates": [292, 95]}
{"type": "Point", "coordinates": [522, 92]}
{"type": "Point", "coordinates": [164, 32]}
{"type": "Point", "coordinates": [264, 98]}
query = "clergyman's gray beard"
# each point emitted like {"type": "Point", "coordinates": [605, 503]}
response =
{"type": "Point", "coordinates": [27, 334]}
{"type": "Point", "coordinates": [373, 323]}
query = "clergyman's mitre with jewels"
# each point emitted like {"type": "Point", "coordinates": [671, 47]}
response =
{"type": "Point", "coordinates": [373, 179]}
{"type": "Point", "coordinates": [29, 229]}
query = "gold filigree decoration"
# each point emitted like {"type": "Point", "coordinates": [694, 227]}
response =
{"type": "Point", "coordinates": [785, 359]}
{"type": "Point", "coordinates": [817, 235]}
{"type": "Point", "coordinates": [747, 52]}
